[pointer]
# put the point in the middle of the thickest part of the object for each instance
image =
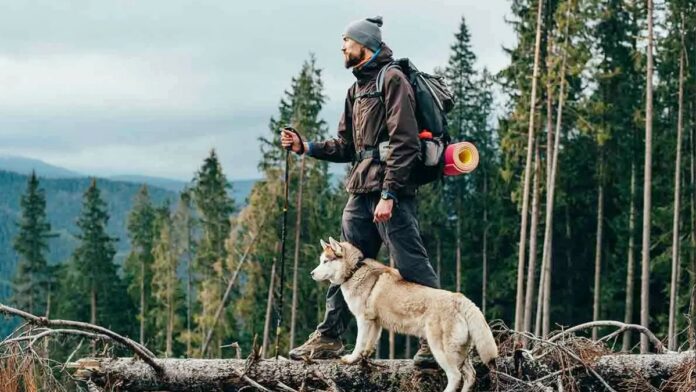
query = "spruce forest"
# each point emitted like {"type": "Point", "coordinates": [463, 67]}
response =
{"type": "Point", "coordinates": [582, 209]}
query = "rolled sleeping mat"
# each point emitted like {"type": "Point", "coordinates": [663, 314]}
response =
{"type": "Point", "coordinates": [460, 158]}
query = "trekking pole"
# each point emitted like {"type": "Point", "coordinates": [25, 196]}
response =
{"type": "Point", "coordinates": [283, 234]}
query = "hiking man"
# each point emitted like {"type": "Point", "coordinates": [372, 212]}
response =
{"type": "Point", "coordinates": [382, 206]}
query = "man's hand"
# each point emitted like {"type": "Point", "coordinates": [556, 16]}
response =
{"type": "Point", "coordinates": [290, 140]}
{"type": "Point", "coordinates": [383, 211]}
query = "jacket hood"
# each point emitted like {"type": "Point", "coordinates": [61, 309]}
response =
{"type": "Point", "coordinates": [370, 69]}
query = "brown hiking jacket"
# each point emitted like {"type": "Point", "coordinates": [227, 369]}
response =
{"type": "Point", "coordinates": [366, 122]}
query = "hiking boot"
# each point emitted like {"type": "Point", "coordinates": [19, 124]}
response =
{"type": "Point", "coordinates": [424, 357]}
{"type": "Point", "coordinates": [318, 347]}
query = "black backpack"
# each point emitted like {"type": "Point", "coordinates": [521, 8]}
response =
{"type": "Point", "coordinates": [433, 102]}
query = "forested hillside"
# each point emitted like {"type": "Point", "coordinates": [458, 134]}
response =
{"type": "Point", "coordinates": [63, 203]}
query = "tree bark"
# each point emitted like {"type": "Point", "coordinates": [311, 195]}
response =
{"type": "Point", "coordinates": [172, 283]}
{"type": "Point", "coordinates": [267, 320]}
{"type": "Point", "coordinates": [189, 285]}
{"type": "Point", "coordinates": [548, 229]}
{"type": "Point", "coordinates": [540, 299]}
{"type": "Point", "coordinates": [93, 305]}
{"type": "Point", "coordinates": [674, 292]}
{"type": "Point", "coordinates": [692, 319]}
{"type": "Point", "coordinates": [519, 302]}
{"type": "Point", "coordinates": [647, 195]}
{"type": "Point", "coordinates": [383, 375]}
{"type": "Point", "coordinates": [547, 252]}
{"type": "Point", "coordinates": [458, 250]}
{"type": "Point", "coordinates": [47, 315]}
{"type": "Point", "coordinates": [598, 243]}
{"type": "Point", "coordinates": [549, 123]}
{"type": "Point", "coordinates": [630, 273]}
{"type": "Point", "coordinates": [142, 300]}
{"type": "Point", "coordinates": [531, 267]}
{"type": "Point", "coordinates": [296, 262]}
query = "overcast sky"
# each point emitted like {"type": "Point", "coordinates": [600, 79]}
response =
{"type": "Point", "coordinates": [150, 86]}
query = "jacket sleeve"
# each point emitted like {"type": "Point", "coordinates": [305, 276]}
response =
{"type": "Point", "coordinates": [340, 148]}
{"type": "Point", "coordinates": [400, 107]}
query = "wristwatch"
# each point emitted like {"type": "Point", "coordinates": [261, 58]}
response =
{"type": "Point", "coordinates": [386, 195]}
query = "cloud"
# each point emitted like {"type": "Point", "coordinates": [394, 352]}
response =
{"type": "Point", "coordinates": [98, 82]}
{"type": "Point", "coordinates": [148, 88]}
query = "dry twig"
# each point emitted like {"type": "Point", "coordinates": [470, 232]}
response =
{"type": "Point", "coordinates": [139, 350]}
{"type": "Point", "coordinates": [683, 380]}
{"type": "Point", "coordinates": [622, 328]}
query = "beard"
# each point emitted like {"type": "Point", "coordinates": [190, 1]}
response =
{"type": "Point", "coordinates": [354, 59]}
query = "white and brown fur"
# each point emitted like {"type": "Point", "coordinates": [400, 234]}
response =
{"type": "Point", "coordinates": [380, 298]}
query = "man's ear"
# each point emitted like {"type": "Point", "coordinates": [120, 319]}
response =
{"type": "Point", "coordinates": [338, 250]}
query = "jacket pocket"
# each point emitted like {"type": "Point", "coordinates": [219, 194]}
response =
{"type": "Point", "coordinates": [366, 176]}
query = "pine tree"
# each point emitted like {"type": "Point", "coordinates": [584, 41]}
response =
{"type": "Point", "coordinates": [519, 312]}
{"type": "Point", "coordinates": [461, 78]}
{"type": "Point", "coordinates": [138, 264]}
{"type": "Point", "coordinates": [215, 207]}
{"type": "Point", "coordinates": [166, 289]}
{"type": "Point", "coordinates": [92, 290]}
{"type": "Point", "coordinates": [647, 188]}
{"type": "Point", "coordinates": [183, 236]}
{"type": "Point", "coordinates": [676, 267]}
{"type": "Point", "coordinates": [516, 83]}
{"type": "Point", "coordinates": [32, 279]}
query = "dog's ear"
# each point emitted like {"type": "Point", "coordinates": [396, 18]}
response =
{"type": "Point", "coordinates": [337, 248]}
{"type": "Point", "coordinates": [324, 245]}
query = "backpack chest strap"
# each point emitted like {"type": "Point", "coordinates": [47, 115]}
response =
{"type": "Point", "coordinates": [370, 94]}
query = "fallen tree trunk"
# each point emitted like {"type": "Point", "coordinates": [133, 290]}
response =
{"type": "Point", "coordinates": [128, 374]}
{"type": "Point", "coordinates": [674, 372]}
{"type": "Point", "coordinates": [655, 368]}
{"type": "Point", "coordinates": [224, 375]}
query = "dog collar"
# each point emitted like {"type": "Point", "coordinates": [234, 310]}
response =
{"type": "Point", "coordinates": [358, 265]}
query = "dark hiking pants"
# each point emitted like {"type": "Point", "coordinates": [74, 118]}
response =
{"type": "Point", "coordinates": [401, 236]}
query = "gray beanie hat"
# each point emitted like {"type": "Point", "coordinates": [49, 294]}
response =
{"type": "Point", "coordinates": [366, 32]}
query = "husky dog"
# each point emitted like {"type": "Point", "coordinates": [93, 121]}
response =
{"type": "Point", "coordinates": [379, 297]}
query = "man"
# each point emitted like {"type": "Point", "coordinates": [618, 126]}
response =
{"type": "Point", "coordinates": [381, 207]}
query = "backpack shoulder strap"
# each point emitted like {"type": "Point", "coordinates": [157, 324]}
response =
{"type": "Point", "coordinates": [379, 83]}
{"type": "Point", "coordinates": [382, 75]}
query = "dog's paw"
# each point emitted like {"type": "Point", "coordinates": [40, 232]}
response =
{"type": "Point", "coordinates": [350, 359]}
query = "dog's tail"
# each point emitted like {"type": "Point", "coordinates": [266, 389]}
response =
{"type": "Point", "coordinates": [479, 331]}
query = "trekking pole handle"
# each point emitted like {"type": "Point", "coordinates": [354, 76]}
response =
{"type": "Point", "coordinates": [293, 130]}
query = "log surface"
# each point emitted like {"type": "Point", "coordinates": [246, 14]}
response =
{"type": "Point", "coordinates": [128, 374]}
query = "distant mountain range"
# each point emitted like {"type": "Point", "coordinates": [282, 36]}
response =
{"type": "Point", "coordinates": [64, 189]}
{"type": "Point", "coordinates": [23, 165]}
